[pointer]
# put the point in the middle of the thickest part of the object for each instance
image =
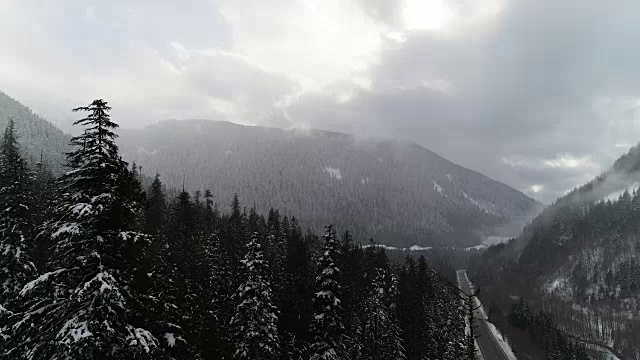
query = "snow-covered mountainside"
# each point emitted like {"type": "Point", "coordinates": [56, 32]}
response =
{"type": "Point", "coordinates": [400, 194]}
{"type": "Point", "coordinates": [38, 137]}
{"type": "Point", "coordinates": [582, 254]}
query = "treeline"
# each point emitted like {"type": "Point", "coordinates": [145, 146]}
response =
{"type": "Point", "coordinates": [400, 194]}
{"type": "Point", "coordinates": [94, 267]}
{"type": "Point", "coordinates": [545, 333]}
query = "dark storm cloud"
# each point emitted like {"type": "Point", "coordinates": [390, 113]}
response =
{"type": "Point", "coordinates": [528, 85]}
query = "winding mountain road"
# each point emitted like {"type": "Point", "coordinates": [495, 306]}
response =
{"type": "Point", "coordinates": [489, 345]}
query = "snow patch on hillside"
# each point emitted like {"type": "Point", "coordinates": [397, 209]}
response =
{"type": "Point", "coordinates": [489, 241]}
{"type": "Point", "coordinates": [380, 246]}
{"type": "Point", "coordinates": [449, 176]}
{"type": "Point", "coordinates": [333, 172]}
{"type": "Point", "coordinates": [559, 286]}
{"type": "Point", "coordinates": [494, 240]}
{"type": "Point", "coordinates": [410, 248]}
{"type": "Point", "coordinates": [438, 188]}
{"type": "Point", "coordinates": [364, 180]}
{"type": "Point", "coordinates": [487, 207]}
{"type": "Point", "coordinates": [471, 200]}
{"type": "Point", "coordinates": [553, 285]}
{"type": "Point", "coordinates": [419, 248]}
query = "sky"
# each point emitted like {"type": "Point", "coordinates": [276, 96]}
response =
{"type": "Point", "coordinates": [542, 95]}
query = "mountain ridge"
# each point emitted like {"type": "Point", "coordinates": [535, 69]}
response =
{"type": "Point", "coordinates": [397, 192]}
{"type": "Point", "coordinates": [327, 162]}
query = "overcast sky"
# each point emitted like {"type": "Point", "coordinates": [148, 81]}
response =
{"type": "Point", "coordinates": [539, 94]}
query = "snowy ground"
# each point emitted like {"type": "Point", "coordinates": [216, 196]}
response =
{"type": "Point", "coordinates": [502, 340]}
{"type": "Point", "coordinates": [613, 357]}
{"type": "Point", "coordinates": [411, 248]}
{"type": "Point", "coordinates": [489, 241]}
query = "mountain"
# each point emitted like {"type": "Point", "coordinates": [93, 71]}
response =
{"type": "Point", "coordinates": [581, 258]}
{"type": "Point", "coordinates": [37, 136]}
{"type": "Point", "coordinates": [398, 193]}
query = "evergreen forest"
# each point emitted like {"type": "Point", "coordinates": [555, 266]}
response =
{"type": "Point", "coordinates": [101, 262]}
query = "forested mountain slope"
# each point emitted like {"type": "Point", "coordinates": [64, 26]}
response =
{"type": "Point", "coordinates": [581, 258]}
{"type": "Point", "coordinates": [36, 135]}
{"type": "Point", "coordinates": [94, 266]}
{"type": "Point", "coordinates": [400, 194]}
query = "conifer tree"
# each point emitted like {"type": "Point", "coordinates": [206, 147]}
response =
{"type": "Point", "coordinates": [184, 262]}
{"type": "Point", "coordinates": [80, 308]}
{"type": "Point", "coordinates": [255, 333]}
{"type": "Point", "coordinates": [16, 243]}
{"type": "Point", "coordinates": [44, 192]}
{"type": "Point", "coordinates": [210, 214]}
{"type": "Point", "coordinates": [297, 295]}
{"type": "Point", "coordinates": [156, 209]}
{"type": "Point", "coordinates": [411, 311]}
{"type": "Point", "coordinates": [327, 327]}
{"type": "Point", "coordinates": [381, 334]}
{"type": "Point", "coordinates": [216, 296]}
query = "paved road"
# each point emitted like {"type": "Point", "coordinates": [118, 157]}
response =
{"type": "Point", "coordinates": [489, 346]}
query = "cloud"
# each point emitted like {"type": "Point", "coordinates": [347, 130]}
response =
{"type": "Point", "coordinates": [568, 161]}
{"type": "Point", "coordinates": [426, 15]}
{"type": "Point", "coordinates": [562, 161]}
{"type": "Point", "coordinates": [524, 81]}
{"type": "Point", "coordinates": [532, 93]}
{"type": "Point", "coordinates": [91, 14]}
{"type": "Point", "coordinates": [536, 188]}
{"type": "Point", "coordinates": [318, 43]}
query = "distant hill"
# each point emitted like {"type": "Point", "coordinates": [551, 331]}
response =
{"type": "Point", "coordinates": [399, 194]}
{"type": "Point", "coordinates": [37, 136]}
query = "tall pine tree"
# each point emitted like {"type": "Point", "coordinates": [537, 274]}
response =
{"type": "Point", "coordinates": [80, 308]}
{"type": "Point", "coordinates": [254, 322]}
{"type": "Point", "coordinates": [381, 333]}
{"type": "Point", "coordinates": [327, 327]}
{"type": "Point", "coordinates": [16, 243]}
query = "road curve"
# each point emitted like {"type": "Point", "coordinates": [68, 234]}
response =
{"type": "Point", "coordinates": [489, 345]}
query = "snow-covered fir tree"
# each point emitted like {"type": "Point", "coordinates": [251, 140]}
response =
{"type": "Point", "coordinates": [80, 308]}
{"type": "Point", "coordinates": [380, 331]}
{"type": "Point", "coordinates": [255, 333]}
{"type": "Point", "coordinates": [327, 326]}
{"type": "Point", "coordinates": [16, 243]}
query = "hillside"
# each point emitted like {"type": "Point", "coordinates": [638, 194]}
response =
{"type": "Point", "coordinates": [37, 136]}
{"type": "Point", "coordinates": [400, 194]}
{"type": "Point", "coordinates": [581, 258]}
